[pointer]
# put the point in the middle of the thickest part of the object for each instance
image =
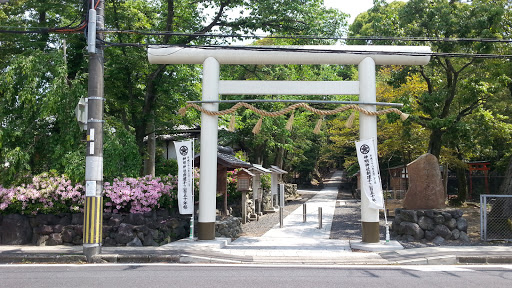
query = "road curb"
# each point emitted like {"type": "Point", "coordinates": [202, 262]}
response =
{"type": "Point", "coordinates": [190, 258]}
{"type": "Point", "coordinates": [123, 258]}
{"type": "Point", "coordinates": [437, 260]}
{"type": "Point", "coordinates": [78, 259]}
{"type": "Point", "coordinates": [187, 259]}
{"type": "Point", "coordinates": [484, 259]}
{"type": "Point", "coordinates": [42, 258]}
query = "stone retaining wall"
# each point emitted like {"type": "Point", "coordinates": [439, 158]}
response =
{"type": "Point", "coordinates": [429, 225]}
{"type": "Point", "coordinates": [150, 229]}
{"type": "Point", "coordinates": [229, 227]}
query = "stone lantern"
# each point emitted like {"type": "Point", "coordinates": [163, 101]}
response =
{"type": "Point", "coordinates": [243, 180]}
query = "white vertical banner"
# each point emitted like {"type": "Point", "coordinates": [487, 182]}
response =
{"type": "Point", "coordinates": [184, 156]}
{"type": "Point", "coordinates": [371, 185]}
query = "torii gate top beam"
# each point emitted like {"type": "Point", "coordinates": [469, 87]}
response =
{"type": "Point", "coordinates": [318, 54]}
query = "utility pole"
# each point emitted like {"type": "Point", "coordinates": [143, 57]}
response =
{"type": "Point", "coordinates": [93, 207]}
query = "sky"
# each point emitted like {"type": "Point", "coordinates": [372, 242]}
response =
{"type": "Point", "coordinates": [352, 7]}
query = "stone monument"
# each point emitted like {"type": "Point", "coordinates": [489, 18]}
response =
{"type": "Point", "coordinates": [425, 184]}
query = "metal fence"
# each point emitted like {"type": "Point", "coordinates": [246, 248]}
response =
{"type": "Point", "coordinates": [496, 217]}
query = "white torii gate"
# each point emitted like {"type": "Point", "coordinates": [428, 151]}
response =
{"type": "Point", "coordinates": [366, 57]}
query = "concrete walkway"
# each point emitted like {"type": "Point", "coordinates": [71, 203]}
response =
{"type": "Point", "coordinates": [302, 242]}
{"type": "Point", "coordinates": [297, 240]}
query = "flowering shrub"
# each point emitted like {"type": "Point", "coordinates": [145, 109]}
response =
{"type": "Point", "coordinates": [55, 194]}
{"type": "Point", "coordinates": [46, 194]}
{"type": "Point", "coordinates": [140, 195]}
{"type": "Point", "coordinates": [234, 196]}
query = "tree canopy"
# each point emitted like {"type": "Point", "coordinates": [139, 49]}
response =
{"type": "Point", "coordinates": [460, 103]}
{"type": "Point", "coordinates": [461, 94]}
{"type": "Point", "coordinates": [38, 128]}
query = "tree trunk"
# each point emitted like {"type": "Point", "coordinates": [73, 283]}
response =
{"type": "Point", "coordinates": [462, 187]}
{"type": "Point", "coordinates": [500, 216]}
{"type": "Point", "coordinates": [140, 133]}
{"type": "Point", "coordinates": [503, 206]}
{"type": "Point", "coordinates": [445, 180]}
{"type": "Point", "coordinates": [146, 125]}
{"type": "Point", "coordinates": [506, 186]}
{"type": "Point", "coordinates": [150, 157]}
{"type": "Point", "coordinates": [435, 144]}
{"type": "Point", "coordinates": [280, 154]}
{"type": "Point", "coordinates": [222, 188]}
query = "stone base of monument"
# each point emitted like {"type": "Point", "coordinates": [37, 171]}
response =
{"type": "Point", "coordinates": [436, 225]}
{"type": "Point", "coordinates": [392, 245]}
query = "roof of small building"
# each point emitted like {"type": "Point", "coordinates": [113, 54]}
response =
{"type": "Point", "coordinates": [246, 171]}
{"type": "Point", "coordinates": [259, 169]}
{"type": "Point", "coordinates": [277, 170]}
{"type": "Point", "coordinates": [231, 161]}
{"type": "Point", "coordinates": [224, 159]}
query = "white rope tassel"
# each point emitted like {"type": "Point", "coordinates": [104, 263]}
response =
{"type": "Point", "coordinates": [289, 124]}
{"type": "Point", "coordinates": [231, 127]}
{"type": "Point", "coordinates": [318, 126]}
{"type": "Point", "coordinates": [350, 120]}
{"type": "Point", "coordinates": [257, 127]}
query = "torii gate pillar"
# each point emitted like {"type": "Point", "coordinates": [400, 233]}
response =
{"type": "Point", "coordinates": [368, 130]}
{"type": "Point", "coordinates": [209, 134]}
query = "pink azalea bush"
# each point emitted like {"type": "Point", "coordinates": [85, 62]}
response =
{"type": "Point", "coordinates": [46, 194]}
{"type": "Point", "coordinates": [140, 195]}
{"type": "Point", "coordinates": [234, 195]}
{"type": "Point", "coordinates": [49, 193]}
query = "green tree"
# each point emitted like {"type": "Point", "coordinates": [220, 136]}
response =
{"type": "Point", "coordinates": [399, 141]}
{"type": "Point", "coordinates": [37, 91]}
{"type": "Point", "coordinates": [41, 85]}
{"type": "Point", "coordinates": [453, 84]}
{"type": "Point", "coordinates": [298, 150]}
{"type": "Point", "coordinates": [37, 115]}
{"type": "Point", "coordinates": [39, 88]}
{"type": "Point", "coordinates": [456, 87]}
{"type": "Point", "coordinates": [146, 97]}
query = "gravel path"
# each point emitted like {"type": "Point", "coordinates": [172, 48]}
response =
{"type": "Point", "coordinates": [346, 223]}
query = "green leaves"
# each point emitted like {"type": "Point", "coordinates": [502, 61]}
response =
{"type": "Point", "coordinates": [15, 166]}
{"type": "Point", "coordinates": [121, 155]}
{"type": "Point", "coordinates": [36, 107]}
{"type": "Point", "coordinates": [456, 88]}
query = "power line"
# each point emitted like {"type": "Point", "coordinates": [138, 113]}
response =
{"type": "Point", "coordinates": [65, 29]}
{"type": "Point", "coordinates": [79, 29]}
{"type": "Point", "coordinates": [277, 48]}
{"type": "Point", "coordinates": [292, 37]}
{"type": "Point", "coordinates": [314, 37]}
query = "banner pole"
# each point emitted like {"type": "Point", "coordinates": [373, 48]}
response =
{"type": "Point", "coordinates": [193, 200]}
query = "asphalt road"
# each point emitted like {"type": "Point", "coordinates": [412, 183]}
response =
{"type": "Point", "coordinates": [248, 276]}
